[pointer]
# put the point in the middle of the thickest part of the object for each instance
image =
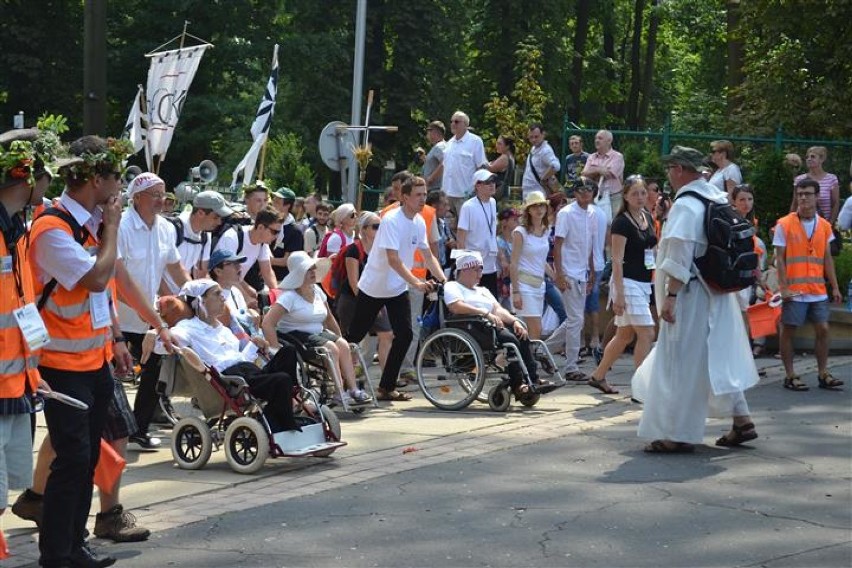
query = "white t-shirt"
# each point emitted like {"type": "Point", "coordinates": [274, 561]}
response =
{"type": "Point", "coordinates": [731, 171]}
{"type": "Point", "coordinates": [302, 315]}
{"type": "Point", "coordinates": [578, 228]}
{"type": "Point", "coordinates": [217, 346]}
{"type": "Point", "coordinates": [462, 157]}
{"type": "Point", "coordinates": [146, 253]}
{"type": "Point", "coordinates": [335, 245]}
{"type": "Point", "coordinates": [252, 252]}
{"type": "Point", "coordinates": [191, 253]}
{"type": "Point", "coordinates": [542, 158]}
{"type": "Point", "coordinates": [480, 221]}
{"type": "Point", "coordinates": [779, 239]}
{"type": "Point", "coordinates": [533, 257]}
{"type": "Point", "coordinates": [480, 297]}
{"type": "Point", "coordinates": [396, 232]}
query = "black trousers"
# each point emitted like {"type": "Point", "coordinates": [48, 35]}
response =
{"type": "Point", "coordinates": [147, 398]}
{"type": "Point", "coordinates": [399, 314]}
{"type": "Point", "coordinates": [274, 384]}
{"type": "Point", "coordinates": [516, 376]}
{"type": "Point", "coordinates": [76, 436]}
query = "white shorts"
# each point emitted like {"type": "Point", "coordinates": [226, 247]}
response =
{"type": "Point", "coordinates": [637, 299]}
{"type": "Point", "coordinates": [16, 455]}
{"type": "Point", "coordinates": [532, 302]}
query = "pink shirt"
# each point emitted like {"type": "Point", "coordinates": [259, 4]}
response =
{"type": "Point", "coordinates": [615, 161]}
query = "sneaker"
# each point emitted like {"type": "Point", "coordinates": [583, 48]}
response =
{"type": "Point", "coordinates": [597, 353]}
{"type": "Point", "coordinates": [360, 397]}
{"type": "Point", "coordinates": [337, 400]}
{"type": "Point", "coordinates": [145, 441]}
{"type": "Point", "coordinates": [28, 506]}
{"type": "Point", "coordinates": [577, 376]}
{"type": "Point", "coordinates": [119, 526]}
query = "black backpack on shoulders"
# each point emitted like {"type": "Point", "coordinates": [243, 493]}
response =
{"type": "Point", "coordinates": [730, 263]}
{"type": "Point", "coordinates": [180, 237]}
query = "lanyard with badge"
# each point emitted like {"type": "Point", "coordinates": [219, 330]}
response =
{"type": "Point", "coordinates": [492, 234]}
{"type": "Point", "coordinates": [27, 317]}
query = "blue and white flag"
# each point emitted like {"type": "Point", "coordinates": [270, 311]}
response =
{"type": "Point", "coordinates": [260, 128]}
{"type": "Point", "coordinates": [136, 128]}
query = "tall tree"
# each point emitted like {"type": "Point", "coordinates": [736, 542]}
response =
{"type": "Point", "coordinates": [635, 65]}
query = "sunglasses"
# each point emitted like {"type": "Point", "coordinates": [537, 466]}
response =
{"type": "Point", "coordinates": [374, 226]}
{"type": "Point", "coordinates": [274, 229]}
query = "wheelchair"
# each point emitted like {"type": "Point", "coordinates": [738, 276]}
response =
{"type": "Point", "coordinates": [462, 361]}
{"type": "Point", "coordinates": [317, 372]}
{"type": "Point", "coordinates": [210, 410]}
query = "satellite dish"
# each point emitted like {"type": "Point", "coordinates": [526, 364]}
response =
{"type": "Point", "coordinates": [335, 144]}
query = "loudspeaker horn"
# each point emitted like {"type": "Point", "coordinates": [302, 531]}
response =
{"type": "Point", "coordinates": [206, 171]}
{"type": "Point", "coordinates": [130, 173]}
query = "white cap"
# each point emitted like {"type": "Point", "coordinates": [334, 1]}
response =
{"type": "Point", "coordinates": [466, 259]}
{"type": "Point", "coordinates": [144, 181]}
{"type": "Point", "coordinates": [483, 175]}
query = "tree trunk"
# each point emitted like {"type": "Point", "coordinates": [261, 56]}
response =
{"type": "Point", "coordinates": [580, 36]}
{"type": "Point", "coordinates": [608, 22]}
{"type": "Point", "coordinates": [635, 65]}
{"type": "Point", "coordinates": [735, 55]}
{"type": "Point", "coordinates": [648, 74]}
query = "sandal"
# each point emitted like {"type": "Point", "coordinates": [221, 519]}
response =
{"type": "Point", "coordinates": [393, 395]}
{"type": "Point", "coordinates": [602, 386]}
{"type": "Point", "coordinates": [669, 447]}
{"type": "Point", "coordinates": [741, 434]}
{"type": "Point", "coordinates": [828, 382]}
{"type": "Point", "coordinates": [758, 351]}
{"type": "Point", "coordinates": [794, 383]}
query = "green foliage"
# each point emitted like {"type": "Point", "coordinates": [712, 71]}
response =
{"type": "Point", "coordinates": [285, 164]}
{"type": "Point", "coordinates": [772, 182]}
{"type": "Point", "coordinates": [843, 267]}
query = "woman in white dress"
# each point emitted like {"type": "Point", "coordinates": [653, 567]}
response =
{"type": "Point", "coordinates": [302, 311]}
{"type": "Point", "coordinates": [529, 266]}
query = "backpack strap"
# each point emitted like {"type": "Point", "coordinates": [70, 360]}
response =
{"type": "Point", "coordinates": [696, 195]}
{"type": "Point", "coordinates": [178, 225]}
{"type": "Point", "coordinates": [81, 235]}
{"type": "Point", "coordinates": [241, 237]}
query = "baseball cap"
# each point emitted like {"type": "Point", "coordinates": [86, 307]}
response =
{"type": "Point", "coordinates": [221, 256]}
{"type": "Point", "coordinates": [284, 193]}
{"type": "Point", "coordinates": [213, 201]}
{"type": "Point", "coordinates": [483, 176]}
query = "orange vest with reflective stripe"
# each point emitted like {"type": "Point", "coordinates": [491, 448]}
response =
{"type": "Point", "coordinates": [17, 363]}
{"type": "Point", "coordinates": [805, 258]}
{"type": "Point", "coordinates": [428, 213]}
{"type": "Point", "coordinates": [74, 345]}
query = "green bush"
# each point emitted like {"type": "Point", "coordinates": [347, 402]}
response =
{"type": "Point", "coordinates": [843, 267]}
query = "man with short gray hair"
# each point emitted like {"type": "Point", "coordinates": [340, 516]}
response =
{"type": "Point", "coordinates": [463, 155]}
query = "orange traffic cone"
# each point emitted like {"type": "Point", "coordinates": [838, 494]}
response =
{"type": "Point", "coordinates": [4, 548]}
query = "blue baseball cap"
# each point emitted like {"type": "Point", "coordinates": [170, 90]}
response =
{"type": "Point", "coordinates": [220, 257]}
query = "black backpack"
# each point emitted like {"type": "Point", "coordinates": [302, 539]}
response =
{"type": "Point", "coordinates": [730, 263]}
{"type": "Point", "coordinates": [180, 237]}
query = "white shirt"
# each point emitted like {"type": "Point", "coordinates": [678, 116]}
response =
{"type": "Point", "coordinates": [578, 228]}
{"type": "Point", "coordinates": [191, 254]}
{"type": "Point", "coordinates": [533, 256]}
{"type": "Point", "coordinates": [302, 315]}
{"type": "Point", "coordinates": [462, 157]}
{"type": "Point", "coordinates": [146, 253]}
{"type": "Point", "coordinates": [334, 244]}
{"type": "Point", "coordinates": [542, 157]}
{"type": "Point", "coordinates": [396, 232]}
{"type": "Point", "coordinates": [845, 217]}
{"type": "Point", "coordinates": [731, 171]}
{"type": "Point", "coordinates": [480, 221]}
{"type": "Point", "coordinates": [252, 252]}
{"type": "Point", "coordinates": [600, 238]}
{"type": "Point", "coordinates": [57, 255]}
{"type": "Point", "coordinates": [779, 239]}
{"type": "Point", "coordinates": [217, 346]}
{"type": "Point", "coordinates": [480, 297]}
{"type": "Point", "coordinates": [313, 239]}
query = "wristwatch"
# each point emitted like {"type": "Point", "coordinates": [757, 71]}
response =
{"type": "Point", "coordinates": [163, 325]}
{"type": "Point", "coordinates": [119, 339]}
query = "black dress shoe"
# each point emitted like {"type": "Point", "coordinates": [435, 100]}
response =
{"type": "Point", "coordinates": [85, 557]}
{"type": "Point", "coordinates": [145, 441]}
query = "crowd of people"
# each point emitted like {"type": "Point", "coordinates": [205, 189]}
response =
{"type": "Point", "coordinates": [82, 278]}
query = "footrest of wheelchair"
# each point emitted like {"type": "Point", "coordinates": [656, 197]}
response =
{"type": "Point", "coordinates": [311, 450]}
{"type": "Point", "coordinates": [293, 443]}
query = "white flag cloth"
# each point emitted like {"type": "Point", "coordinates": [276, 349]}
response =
{"type": "Point", "coordinates": [169, 78]}
{"type": "Point", "coordinates": [136, 128]}
{"type": "Point", "coordinates": [260, 128]}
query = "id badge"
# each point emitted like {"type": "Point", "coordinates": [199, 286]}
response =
{"type": "Point", "coordinates": [5, 264]}
{"type": "Point", "coordinates": [99, 310]}
{"type": "Point", "coordinates": [650, 259]}
{"type": "Point", "coordinates": [32, 327]}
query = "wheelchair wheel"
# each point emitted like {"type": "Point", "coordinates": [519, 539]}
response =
{"type": "Point", "coordinates": [332, 429]}
{"type": "Point", "coordinates": [246, 445]}
{"type": "Point", "coordinates": [529, 399]}
{"type": "Point", "coordinates": [499, 398]}
{"type": "Point", "coordinates": [450, 369]}
{"type": "Point", "coordinates": [192, 443]}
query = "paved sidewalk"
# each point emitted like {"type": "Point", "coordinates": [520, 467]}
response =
{"type": "Point", "coordinates": [395, 438]}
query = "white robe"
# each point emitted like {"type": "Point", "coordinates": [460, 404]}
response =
{"type": "Point", "coordinates": [702, 362]}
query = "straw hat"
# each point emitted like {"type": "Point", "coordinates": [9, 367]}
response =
{"type": "Point", "coordinates": [534, 198]}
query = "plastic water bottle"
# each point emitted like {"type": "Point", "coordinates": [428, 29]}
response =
{"type": "Point", "coordinates": [849, 296]}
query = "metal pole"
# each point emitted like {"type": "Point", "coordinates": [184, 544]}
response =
{"type": "Point", "coordinates": [94, 67]}
{"type": "Point", "coordinates": [357, 89]}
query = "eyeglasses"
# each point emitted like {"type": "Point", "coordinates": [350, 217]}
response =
{"type": "Point", "coordinates": [153, 194]}
{"type": "Point", "coordinates": [805, 193]}
{"type": "Point", "coordinates": [374, 226]}
{"type": "Point", "coordinates": [352, 216]}
{"type": "Point", "coordinates": [274, 229]}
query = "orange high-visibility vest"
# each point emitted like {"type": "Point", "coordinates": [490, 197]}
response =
{"type": "Point", "coordinates": [428, 213]}
{"type": "Point", "coordinates": [74, 345]}
{"type": "Point", "coordinates": [805, 258]}
{"type": "Point", "coordinates": [18, 373]}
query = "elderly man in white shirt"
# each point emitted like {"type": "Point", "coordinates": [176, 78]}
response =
{"type": "Point", "coordinates": [463, 155]}
{"type": "Point", "coordinates": [146, 243]}
{"type": "Point", "coordinates": [542, 163]}
{"type": "Point", "coordinates": [573, 259]}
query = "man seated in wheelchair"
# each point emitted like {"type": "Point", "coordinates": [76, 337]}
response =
{"type": "Point", "coordinates": [224, 268]}
{"type": "Point", "coordinates": [302, 312]}
{"type": "Point", "coordinates": [464, 297]}
{"type": "Point", "coordinates": [219, 348]}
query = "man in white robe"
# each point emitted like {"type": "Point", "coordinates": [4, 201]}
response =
{"type": "Point", "coordinates": [702, 361]}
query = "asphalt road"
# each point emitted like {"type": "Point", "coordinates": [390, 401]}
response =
{"type": "Point", "coordinates": [591, 498]}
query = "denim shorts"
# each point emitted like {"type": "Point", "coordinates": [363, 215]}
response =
{"type": "Point", "coordinates": [797, 313]}
{"type": "Point", "coordinates": [593, 299]}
